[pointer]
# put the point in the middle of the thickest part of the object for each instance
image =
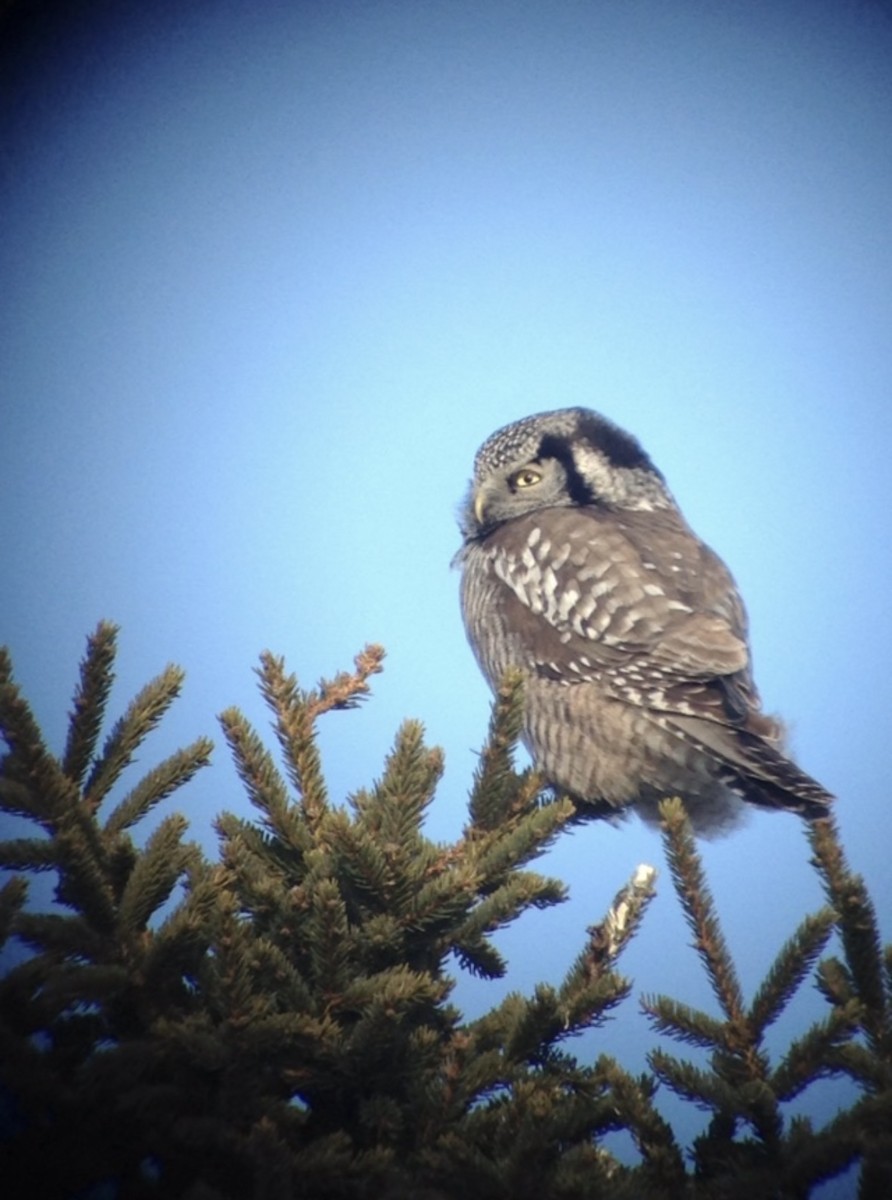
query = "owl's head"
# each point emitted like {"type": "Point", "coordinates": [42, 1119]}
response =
{"type": "Point", "coordinates": [570, 457]}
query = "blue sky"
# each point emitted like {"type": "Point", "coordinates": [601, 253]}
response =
{"type": "Point", "coordinates": [271, 274]}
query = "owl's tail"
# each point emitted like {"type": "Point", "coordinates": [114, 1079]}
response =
{"type": "Point", "coordinates": [756, 770]}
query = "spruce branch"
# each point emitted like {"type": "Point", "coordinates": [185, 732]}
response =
{"type": "Point", "coordinates": [141, 716]}
{"type": "Point", "coordinates": [91, 982]}
{"type": "Point", "coordinates": [328, 937]}
{"type": "Point", "coordinates": [520, 891]}
{"type": "Point", "coordinates": [266, 788]}
{"type": "Point", "coordinates": [740, 1086]}
{"type": "Point", "coordinates": [296, 712]}
{"type": "Point", "coordinates": [159, 783]}
{"type": "Point", "coordinates": [155, 874]}
{"type": "Point", "coordinates": [14, 795]}
{"type": "Point", "coordinates": [857, 1061]}
{"type": "Point", "coordinates": [697, 904]}
{"type": "Point", "coordinates": [373, 909]}
{"type": "Point", "coordinates": [818, 1155]}
{"type": "Point", "coordinates": [85, 883]}
{"type": "Point", "coordinates": [72, 984]}
{"type": "Point", "coordinates": [368, 867]}
{"type": "Point", "coordinates": [475, 953]}
{"type": "Point", "coordinates": [815, 1054]}
{"type": "Point", "coordinates": [33, 783]}
{"type": "Point", "coordinates": [865, 978]}
{"type": "Point", "coordinates": [62, 937]}
{"type": "Point", "coordinates": [295, 719]}
{"type": "Point", "coordinates": [495, 794]}
{"type": "Point", "coordinates": [385, 994]}
{"type": "Point", "coordinates": [633, 1098]}
{"type": "Point", "coordinates": [530, 1028]}
{"type": "Point", "coordinates": [444, 902]}
{"type": "Point", "coordinates": [811, 1157]}
{"type": "Point", "coordinates": [796, 958]}
{"type": "Point", "coordinates": [622, 921]}
{"type": "Point", "coordinates": [276, 973]}
{"type": "Point", "coordinates": [704, 1088]}
{"type": "Point", "coordinates": [684, 1023]}
{"type": "Point", "coordinates": [519, 841]}
{"type": "Point", "coordinates": [834, 981]}
{"type": "Point", "coordinates": [90, 699]}
{"type": "Point", "coordinates": [348, 688]}
{"type": "Point", "coordinates": [393, 811]}
{"type": "Point", "coordinates": [536, 1024]}
{"type": "Point", "coordinates": [28, 854]}
{"type": "Point", "coordinates": [13, 894]}
{"type": "Point", "coordinates": [858, 930]}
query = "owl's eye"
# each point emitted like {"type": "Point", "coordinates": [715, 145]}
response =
{"type": "Point", "coordinates": [526, 477]}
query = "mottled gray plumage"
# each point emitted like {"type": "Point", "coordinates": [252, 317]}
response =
{"type": "Point", "coordinates": [579, 569]}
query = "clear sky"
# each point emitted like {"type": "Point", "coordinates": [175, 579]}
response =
{"type": "Point", "coordinates": [271, 273]}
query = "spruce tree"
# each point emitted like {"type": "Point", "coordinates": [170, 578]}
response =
{"type": "Point", "coordinates": [277, 1023]}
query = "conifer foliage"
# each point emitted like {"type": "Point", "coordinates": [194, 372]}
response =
{"type": "Point", "coordinates": [277, 1023]}
{"type": "Point", "coordinates": [748, 1143]}
{"type": "Point", "coordinates": [77, 1013]}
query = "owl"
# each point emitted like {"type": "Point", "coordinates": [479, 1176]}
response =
{"type": "Point", "coordinates": [579, 570]}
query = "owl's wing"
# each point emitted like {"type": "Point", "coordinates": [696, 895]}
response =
{"type": "Point", "coordinates": [636, 601]}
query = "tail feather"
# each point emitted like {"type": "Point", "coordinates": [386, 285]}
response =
{"type": "Point", "coordinates": [756, 770]}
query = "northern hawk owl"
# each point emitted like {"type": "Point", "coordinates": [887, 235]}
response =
{"type": "Point", "coordinates": [579, 570]}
